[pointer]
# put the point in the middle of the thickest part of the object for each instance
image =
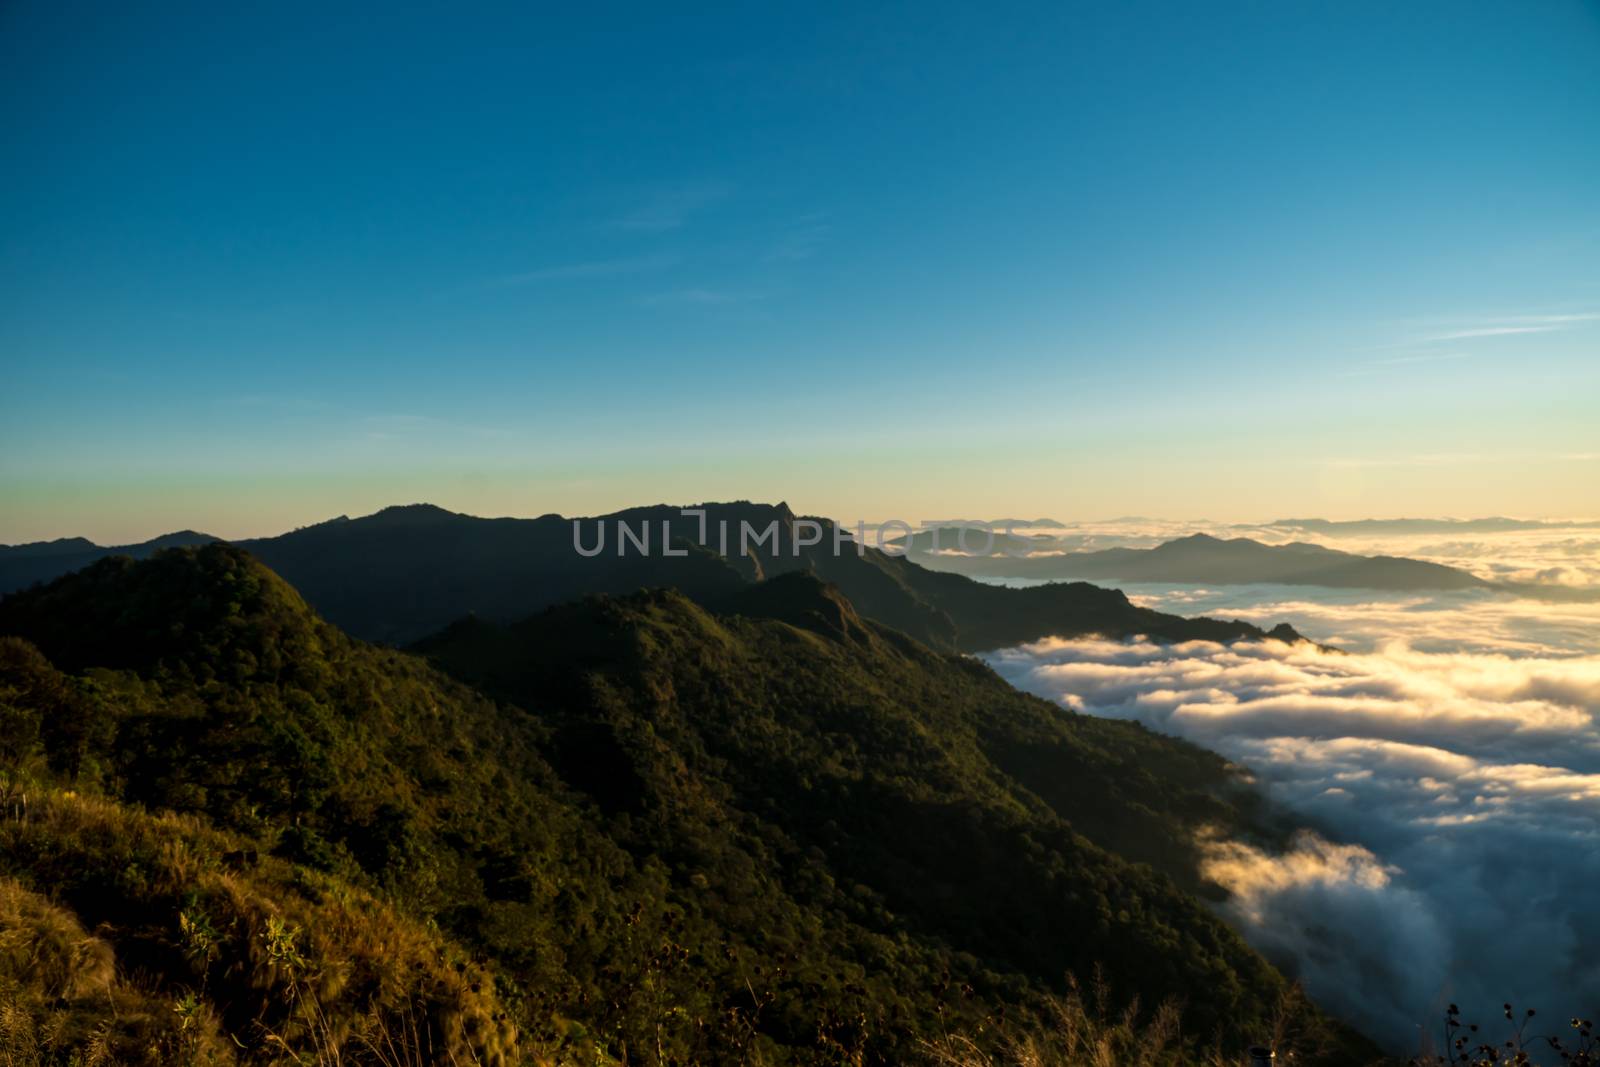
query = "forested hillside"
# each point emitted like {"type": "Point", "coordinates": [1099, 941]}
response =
{"type": "Point", "coordinates": [637, 829]}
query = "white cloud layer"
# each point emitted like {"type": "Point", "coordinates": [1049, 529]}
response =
{"type": "Point", "coordinates": [1461, 780]}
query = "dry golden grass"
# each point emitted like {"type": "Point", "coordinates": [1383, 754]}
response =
{"type": "Point", "coordinates": [199, 961]}
{"type": "Point", "coordinates": [1078, 1029]}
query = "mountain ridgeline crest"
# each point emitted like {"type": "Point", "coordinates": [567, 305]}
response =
{"type": "Point", "coordinates": [1195, 558]}
{"type": "Point", "coordinates": [1203, 559]}
{"type": "Point", "coordinates": [754, 825]}
{"type": "Point", "coordinates": [406, 572]}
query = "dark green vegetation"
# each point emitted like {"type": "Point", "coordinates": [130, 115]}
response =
{"type": "Point", "coordinates": [406, 572]}
{"type": "Point", "coordinates": [771, 833]}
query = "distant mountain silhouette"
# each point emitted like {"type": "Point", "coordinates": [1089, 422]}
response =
{"type": "Point", "coordinates": [406, 572]}
{"type": "Point", "coordinates": [61, 546]}
{"type": "Point", "coordinates": [1000, 524]}
{"type": "Point", "coordinates": [1202, 558]}
{"type": "Point", "coordinates": [1358, 527]}
{"type": "Point", "coordinates": [40, 561]}
{"type": "Point", "coordinates": [974, 539]}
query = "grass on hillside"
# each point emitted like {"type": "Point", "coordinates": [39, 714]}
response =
{"type": "Point", "coordinates": [164, 942]}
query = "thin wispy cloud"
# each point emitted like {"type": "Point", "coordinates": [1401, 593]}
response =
{"type": "Point", "coordinates": [670, 208]}
{"type": "Point", "coordinates": [400, 427]}
{"type": "Point", "coordinates": [1377, 366]}
{"type": "Point", "coordinates": [1491, 331]}
{"type": "Point", "coordinates": [598, 268]}
{"type": "Point", "coordinates": [1437, 330]}
{"type": "Point", "coordinates": [1531, 320]}
{"type": "Point", "coordinates": [1427, 460]}
{"type": "Point", "coordinates": [1469, 327]}
{"type": "Point", "coordinates": [801, 239]}
{"type": "Point", "coordinates": [701, 297]}
{"type": "Point", "coordinates": [1421, 357]}
{"type": "Point", "coordinates": [1451, 459]}
{"type": "Point", "coordinates": [363, 424]}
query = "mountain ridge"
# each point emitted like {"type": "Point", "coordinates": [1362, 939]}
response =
{"type": "Point", "coordinates": [405, 572]}
{"type": "Point", "coordinates": [1201, 557]}
{"type": "Point", "coordinates": [784, 797]}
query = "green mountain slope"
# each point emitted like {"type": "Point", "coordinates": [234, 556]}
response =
{"type": "Point", "coordinates": [869, 777]}
{"type": "Point", "coordinates": [779, 834]}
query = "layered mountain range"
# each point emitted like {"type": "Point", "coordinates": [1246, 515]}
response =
{"type": "Point", "coordinates": [1196, 558]}
{"type": "Point", "coordinates": [405, 572]}
{"type": "Point", "coordinates": [1201, 559]}
{"type": "Point", "coordinates": [747, 823]}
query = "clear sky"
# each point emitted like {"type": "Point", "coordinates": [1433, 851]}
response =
{"type": "Point", "coordinates": [1235, 260]}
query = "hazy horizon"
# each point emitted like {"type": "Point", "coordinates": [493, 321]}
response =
{"type": "Point", "coordinates": [228, 525]}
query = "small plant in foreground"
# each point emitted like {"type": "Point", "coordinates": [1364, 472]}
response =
{"type": "Point", "coordinates": [1465, 1048]}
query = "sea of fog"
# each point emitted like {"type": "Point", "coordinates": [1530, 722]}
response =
{"type": "Point", "coordinates": [1449, 754]}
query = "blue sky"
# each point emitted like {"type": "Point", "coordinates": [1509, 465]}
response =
{"type": "Point", "coordinates": [1237, 261]}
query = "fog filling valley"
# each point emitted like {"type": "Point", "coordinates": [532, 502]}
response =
{"type": "Point", "coordinates": [1449, 756]}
